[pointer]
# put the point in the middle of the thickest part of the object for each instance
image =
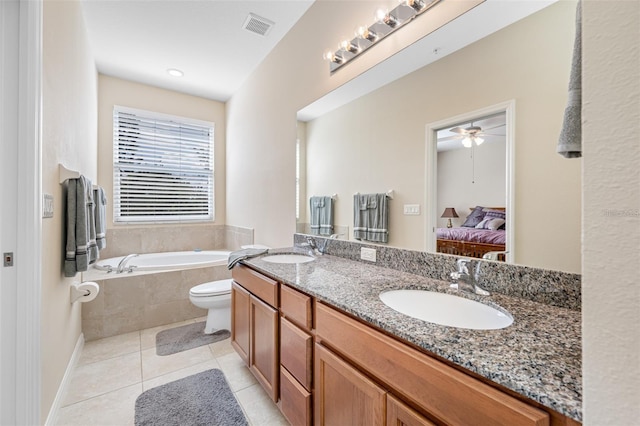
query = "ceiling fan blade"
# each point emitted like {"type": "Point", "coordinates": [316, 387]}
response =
{"type": "Point", "coordinates": [459, 130]}
{"type": "Point", "coordinates": [449, 138]}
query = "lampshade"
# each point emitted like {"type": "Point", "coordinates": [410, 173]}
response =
{"type": "Point", "coordinates": [449, 212]}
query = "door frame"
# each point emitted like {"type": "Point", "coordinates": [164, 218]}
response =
{"type": "Point", "coordinates": [431, 166]}
{"type": "Point", "coordinates": [21, 110]}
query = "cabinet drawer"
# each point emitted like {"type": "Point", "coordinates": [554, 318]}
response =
{"type": "Point", "coordinates": [444, 392]}
{"type": "Point", "coordinates": [295, 401]}
{"type": "Point", "coordinates": [263, 287]}
{"type": "Point", "coordinates": [296, 307]}
{"type": "Point", "coordinates": [296, 348]}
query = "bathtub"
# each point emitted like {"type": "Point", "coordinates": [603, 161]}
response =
{"type": "Point", "coordinates": [154, 293]}
{"type": "Point", "coordinates": [169, 261]}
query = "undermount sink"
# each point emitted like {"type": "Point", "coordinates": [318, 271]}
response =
{"type": "Point", "coordinates": [446, 309]}
{"type": "Point", "coordinates": [287, 258]}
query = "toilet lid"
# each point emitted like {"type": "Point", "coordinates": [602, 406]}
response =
{"type": "Point", "coordinates": [212, 288]}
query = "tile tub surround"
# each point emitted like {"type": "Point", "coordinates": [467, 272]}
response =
{"type": "Point", "coordinates": [538, 356]}
{"type": "Point", "coordinates": [122, 241]}
{"type": "Point", "coordinates": [131, 303]}
{"type": "Point", "coordinates": [555, 288]}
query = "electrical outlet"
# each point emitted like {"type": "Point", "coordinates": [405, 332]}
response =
{"type": "Point", "coordinates": [368, 254]}
{"type": "Point", "coordinates": [412, 209]}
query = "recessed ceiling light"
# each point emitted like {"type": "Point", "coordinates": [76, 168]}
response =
{"type": "Point", "coordinates": [174, 72]}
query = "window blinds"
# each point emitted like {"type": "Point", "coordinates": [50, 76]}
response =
{"type": "Point", "coordinates": [163, 167]}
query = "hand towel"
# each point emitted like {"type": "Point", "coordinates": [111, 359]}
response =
{"type": "Point", "coordinates": [100, 203]}
{"type": "Point", "coordinates": [570, 141]}
{"type": "Point", "coordinates": [237, 256]}
{"type": "Point", "coordinates": [77, 256]}
{"type": "Point", "coordinates": [372, 223]}
{"type": "Point", "coordinates": [321, 215]}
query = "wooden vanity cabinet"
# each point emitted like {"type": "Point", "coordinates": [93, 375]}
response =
{"type": "Point", "coordinates": [444, 393]}
{"type": "Point", "coordinates": [254, 326]}
{"type": "Point", "coordinates": [296, 356]}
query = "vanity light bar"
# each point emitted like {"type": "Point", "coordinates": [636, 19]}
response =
{"type": "Point", "coordinates": [386, 22]}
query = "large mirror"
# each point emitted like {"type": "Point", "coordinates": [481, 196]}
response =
{"type": "Point", "coordinates": [387, 140]}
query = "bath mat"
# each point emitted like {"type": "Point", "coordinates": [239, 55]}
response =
{"type": "Point", "coordinates": [186, 337]}
{"type": "Point", "coordinates": [202, 399]}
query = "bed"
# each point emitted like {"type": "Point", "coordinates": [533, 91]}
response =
{"type": "Point", "coordinates": [484, 230]}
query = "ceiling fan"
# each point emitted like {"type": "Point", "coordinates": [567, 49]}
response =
{"type": "Point", "coordinates": [471, 134]}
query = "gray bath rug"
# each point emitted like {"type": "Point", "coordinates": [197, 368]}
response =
{"type": "Point", "coordinates": [201, 399]}
{"type": "Point", "coordinates": [186, 337]}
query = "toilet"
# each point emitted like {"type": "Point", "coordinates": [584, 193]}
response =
{"type": "Point", "coordinates": [216, 297]}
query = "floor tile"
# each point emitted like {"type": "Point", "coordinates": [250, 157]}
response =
{"type": "Point", "coordinates": [221, 348]}
{"type": "Point", "coordinates": [236, 372]}
{"type": "Point", "coordinates": [259, 408]}
{"type": "Point", "coordinates": [179, 374]}
{"type": "Point", "coordinates": [155, 365]}
{"type": "Point", "coordinates": [115, 408]}
{"type": "Point", "coordinates": [110, 347]}
{"type": "Point", "coordinates": [100, 377]}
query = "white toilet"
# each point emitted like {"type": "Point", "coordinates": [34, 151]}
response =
{"type": "Point", "coordinates": [216, 297]}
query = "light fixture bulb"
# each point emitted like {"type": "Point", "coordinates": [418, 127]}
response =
{"type": "Point", "coordinates": [175, 72]}
{"type": "Point", "coordinates": [416, 5]}
{"type": "Point", "coordinates": [466, 142]}
{"type": "Point", "coordinates": [348, 46]}
{"type": "Point", "coordinates": [365, 33]}
{"type": "Point", "coordinates": [332, 57]}
{"type": "Point", "coordinates": [478, 140]}
{"type": "Point", "coordinates": [381, 14]}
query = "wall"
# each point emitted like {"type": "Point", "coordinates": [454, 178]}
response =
{"type": "Point", "coordinates": [377, 142]}
{"type": "Point", "coordinates": [69, 126]}
{"type": "Point", "coordinates": [261, 116]}
{"type": "Point", "coordinates": [611, 213]}
{"type": "Point", "coordinates": [469, 178]}
{"type": "Point", "coordinates": [115, 91]}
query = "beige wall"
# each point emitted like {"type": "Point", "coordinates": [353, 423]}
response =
{"type": "Point", "coordinates": [69, 125]}
{"type": "Point", "coordinates": [611, 213]}
{"type": "Point", "coordinates": [261, 116]}
{"type": "Point", "coordinates": [467, 179]}
{"type": "Point", "coordinates": [377, 142]}
{"type": "Point", "coordinates": [114, 91]}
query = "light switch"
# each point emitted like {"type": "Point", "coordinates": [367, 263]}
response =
{"type": "Point", "coordinates": [47, 205]}
{"type": "Point", "coordinates": [412, 209]}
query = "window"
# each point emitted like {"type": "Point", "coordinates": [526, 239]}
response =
{"type": "Point", "coordinates": [162, 168]}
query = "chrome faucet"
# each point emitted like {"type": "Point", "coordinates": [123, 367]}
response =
{"type": "Point", "coordinates": [123, 263]}
{"type": "Point", "coordinates": [313, 246]}
{"type": "Point", "coordinates": [493, 255]}
{"type": "Point", "coordinates": [466, 280]}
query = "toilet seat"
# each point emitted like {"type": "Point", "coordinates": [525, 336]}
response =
{"type": "Point", "coordinates": [212, 288]}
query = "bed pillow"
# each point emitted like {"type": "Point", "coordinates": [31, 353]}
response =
{"type": "Point", "coordinates": [500, 214]}
{"type": "Point", "coordinates": [492, 223]}
{"type": "Point", "coordinates": [475, 217]}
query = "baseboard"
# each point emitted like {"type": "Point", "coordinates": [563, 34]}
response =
{"type": "Point", "coordinates": [75, 356]}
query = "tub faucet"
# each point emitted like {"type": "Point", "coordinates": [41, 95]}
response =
{"type": "Point", "coordinates": [123, 263]}
{"type": "Point", "coordinates": [466, 280]}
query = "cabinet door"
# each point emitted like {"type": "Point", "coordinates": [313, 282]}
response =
{"type": "Point", "coordinates": [296, 349]}
{"type": "Point", "coordinates": [399, 414]}
{"type": "Point", "coordinates": [263, 361]}
{"type": "Point", "coordinates": [240, 325]}
{"type": "Point", "coordinates": [343, 395]}
{"type": "Point", "coordinates": [295, 400]}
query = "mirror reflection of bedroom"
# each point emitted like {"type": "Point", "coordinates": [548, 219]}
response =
{"type": "Point", "coordinates": [472, 188]}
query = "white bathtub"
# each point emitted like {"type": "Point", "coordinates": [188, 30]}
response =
{"type": "Point", "coordinates": [168, 261]}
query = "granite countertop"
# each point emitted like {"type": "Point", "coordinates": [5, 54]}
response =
{"type": "Point", "coordinates": [538, 356]}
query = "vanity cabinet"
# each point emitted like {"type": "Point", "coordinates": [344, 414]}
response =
{"type": "Point", "coordinates": [254, 326]}
{"type": "Point", "coordinates": [442, 392]}
{"type": "Point", "coordinates": [296, 356]}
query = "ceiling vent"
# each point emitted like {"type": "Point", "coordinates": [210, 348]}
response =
{"type": "Point", "coordinates": [258, 25]}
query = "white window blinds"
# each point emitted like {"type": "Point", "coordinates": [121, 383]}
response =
{"type": "Point", "coordinates": [163, 167]}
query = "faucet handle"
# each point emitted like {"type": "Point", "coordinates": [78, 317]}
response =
{"type": "Point", "coordinates": [462, 266]}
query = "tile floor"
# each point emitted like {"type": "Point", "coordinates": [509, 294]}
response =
{"type": "Point", "coordinates": [112, 372]}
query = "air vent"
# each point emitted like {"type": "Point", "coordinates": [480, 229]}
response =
{"type": "Point", "coordinates": [258, 25]}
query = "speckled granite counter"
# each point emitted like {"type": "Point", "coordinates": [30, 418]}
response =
{"type": "Point", "coordinates": [538, 356]}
